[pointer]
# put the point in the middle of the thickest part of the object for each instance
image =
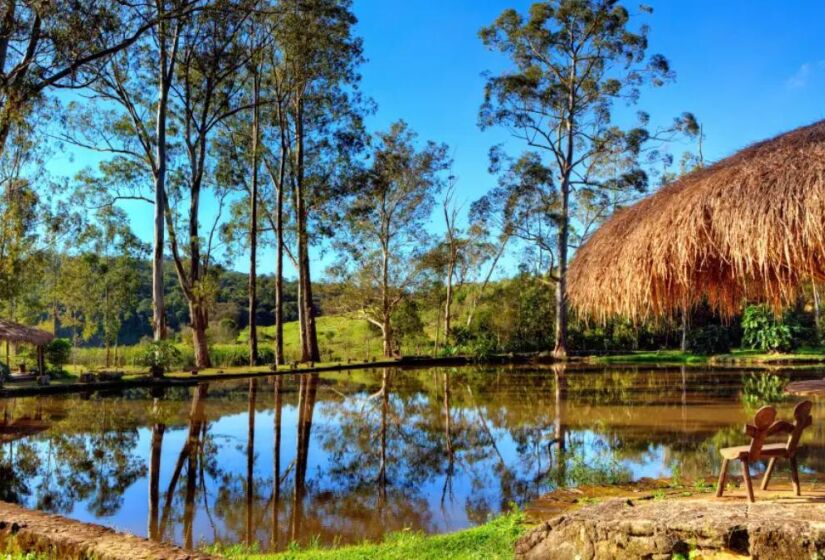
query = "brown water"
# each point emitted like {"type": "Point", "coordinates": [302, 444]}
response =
{"type": "Point", "coordinates": [365, 452]}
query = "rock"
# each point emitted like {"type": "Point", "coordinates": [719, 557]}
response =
{"type": "Point", "coordinates": [622, 528]}
{"type": "Point", "coordinates": [72, 540]}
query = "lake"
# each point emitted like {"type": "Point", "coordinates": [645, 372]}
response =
{"type": "Point", "coordinates": [342, 457]}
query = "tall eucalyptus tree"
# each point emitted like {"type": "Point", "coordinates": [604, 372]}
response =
{"type": "Point", "coordinates": [570, 61]}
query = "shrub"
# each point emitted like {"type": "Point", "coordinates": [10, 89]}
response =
{"type": "Point", "coordinates": [159, 356]}
{"type": "Point", "coordinates": [58, 352]}
{"type": "Point", "coordinates": [709, 340]}
{"type": "Point", "coordinates": [763, 331]}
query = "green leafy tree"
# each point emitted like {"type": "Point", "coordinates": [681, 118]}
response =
{"type": "Point", "coordinates": [571, 60]}
{"type": "Point", "coordinates": [321, 110]}
{"type": "Point", "coordinates": [763, 330]}
{"type": "Point", "coordinates": [385, 238]}
{"type": "Point", "coordinates": [59, 44]}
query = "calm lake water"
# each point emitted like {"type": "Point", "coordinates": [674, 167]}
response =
{"type": "Point", "coordinates": [361, 453]}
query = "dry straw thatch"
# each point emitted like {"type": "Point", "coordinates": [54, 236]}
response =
{"type": "Point", "coordinates": [15, 332]}
{"type": "Point", "coordinates": [751, 227]}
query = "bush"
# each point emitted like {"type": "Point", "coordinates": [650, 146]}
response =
{"type": "Point", "coordinates": [159, 356]}
{"type": "Point", "coordinates": [58, 352]}
{"type": "Point", "coordinates": [762, 331]}
{"type": "Point", "coordinates": [709, 340]}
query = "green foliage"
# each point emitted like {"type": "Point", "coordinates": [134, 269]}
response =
{"type": "Point", "coordinates": [479, 344]}
{"type": "Point", "coordinates": [602, 470]}
{"type": "Point", "coordinates": [763, 331]}
{"type": "Point", "coordinates": [407, 324]}
{"type": "Point", "coordinates": [58, 352]}
{"type": "Point", "coordinates": [709, 340]}
{"type": "Point", "coordinates": [159, 356]}
{"type": "Point", "coordinates": [495, 540]}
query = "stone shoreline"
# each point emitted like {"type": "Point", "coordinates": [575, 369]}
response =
{"type": "Point", "coordinates": [778, 526]}
{"type": "Point", "coordinates": [59, 537]}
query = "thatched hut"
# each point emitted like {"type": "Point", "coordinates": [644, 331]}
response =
{"type": "Point", "coordinates": [17, 334]}
{"type": "Point", "coordinates": [750, 227]}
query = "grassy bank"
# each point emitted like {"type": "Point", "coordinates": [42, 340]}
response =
{"type": "Point", "coordinates": [736, 357]}
{"type": "Point", "coordinates": [493, 540]}
{"type": "Point", "coordinates": [655, 357]}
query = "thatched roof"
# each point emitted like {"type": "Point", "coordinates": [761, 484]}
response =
{"type": "Point", "coordinates": [749, 227]}
{"type": "Point", "coordinates": [15, 332]}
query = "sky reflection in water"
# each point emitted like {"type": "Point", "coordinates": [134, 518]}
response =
{"type": "Point", "coordinates": [365, 452]}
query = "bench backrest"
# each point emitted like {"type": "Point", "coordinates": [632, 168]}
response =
{"type": "Point", "coordinates": [758, 431]}
{"type": "Point", "coordinates": [802, 419]}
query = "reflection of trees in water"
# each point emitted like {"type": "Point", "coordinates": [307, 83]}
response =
{"type": "Point", "coordinates": [179, 503]}
{"type": "Point", "coordinates": [394, 449]}
{"type": "Point", "coordinates": [88, 456]}
{"type": "Point", "coordinates": [401, 441]}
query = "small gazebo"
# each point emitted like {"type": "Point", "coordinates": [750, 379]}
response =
{"type": "Point", "coordinates": [21, 334]}
{"type": "Point", "coordinates": [750, 227]}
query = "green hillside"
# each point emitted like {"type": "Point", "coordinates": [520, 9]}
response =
{"type": "Point", "coordinates": [340, 338]}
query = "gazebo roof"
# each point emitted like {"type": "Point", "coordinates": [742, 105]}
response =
{"type": "Point", "coordinates": [751, 226]}
{"type": "Point", "coordinates": [15, 332]}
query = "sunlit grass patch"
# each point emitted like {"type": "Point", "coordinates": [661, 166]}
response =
{"type": "Point", "coordinates": [494, 540]}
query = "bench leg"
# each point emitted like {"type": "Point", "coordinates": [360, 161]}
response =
{"type": "Point", "coordinates": [768, 472]}
{"type": "Point", "coordinates": [746, 474]}
{"type": "Point", "coordinates": [795, 476]}
{"type": "Point", "coordinates": [723, 477]}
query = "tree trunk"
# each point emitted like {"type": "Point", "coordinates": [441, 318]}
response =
{"type": "Point", "coordinates": [279, 254]}
{"type": "Point", "coordinates": [309, 340]}
{"type": "Point", "coordinates": [199, 341]}
{"type": "Point", "coordinates": [313, 351]}
{"type": "Point", "coordinates": [253, 232]}
{"type": "Point", "coordinates": [386, 308]}
{"type": "Point", "coordinates": [560, 351]}
{"type": "Point", "coordinates": [387, 337]}
{"type": "Point", "coordinates": [158, 303]}
{"type": "Point", "coordinates": [449, 303]}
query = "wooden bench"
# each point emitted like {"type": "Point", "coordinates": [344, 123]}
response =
{"type": "Point", "coordinates": [765, 426]}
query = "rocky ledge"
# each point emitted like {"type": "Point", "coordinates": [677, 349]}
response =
{"type": "Point", "coordinates": [663, 528]}
{"type": "Point", "coordinates": [58, 537]}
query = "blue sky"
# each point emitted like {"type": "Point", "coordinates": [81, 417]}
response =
{"type": "Point", "coordinates": [748, 69]}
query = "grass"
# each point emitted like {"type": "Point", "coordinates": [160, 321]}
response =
{"type": "Point", "coordinates": [661, 356]}
{"type": "Point", "coordinates": [495, 540]}
{"type": "Point", "coordinates": [746, 355]}
{"type": "Point", "coordinates": [340, 338]}
{"type": "Point", "coordinates": [741, 356]}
